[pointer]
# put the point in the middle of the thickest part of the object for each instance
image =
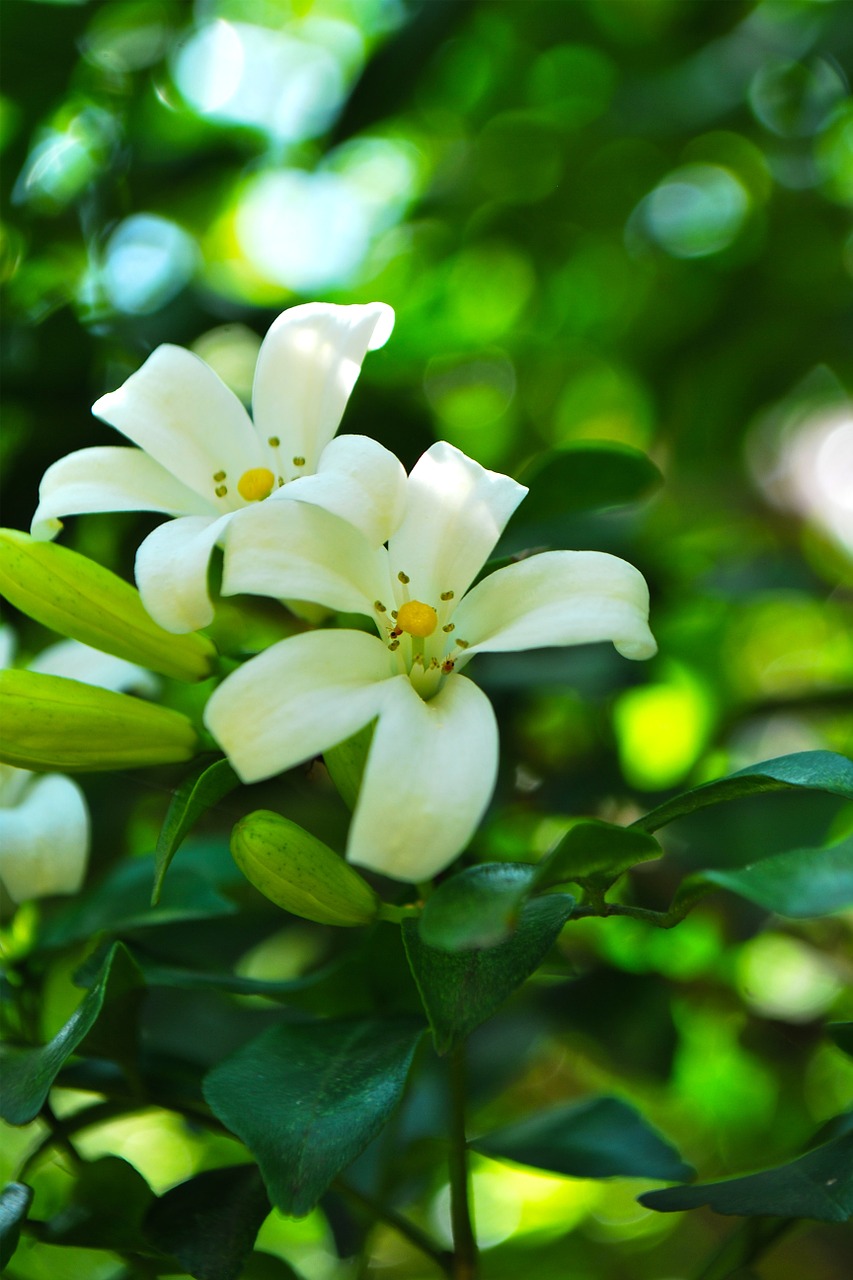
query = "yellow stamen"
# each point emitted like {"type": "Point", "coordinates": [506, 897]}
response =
{"type": "Point", "coordinates": [416, 618]}
{"type": "Point", "coordinates": [256, 483]}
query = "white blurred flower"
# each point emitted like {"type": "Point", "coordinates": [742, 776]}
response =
{"type": "Point", "coordinates": [433, 759]}
{"type": "Point", "coordinates": [201, 458]}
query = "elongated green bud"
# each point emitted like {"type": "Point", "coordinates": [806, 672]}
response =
{"type": "Point", "coordinates": [72, 595]}
{"type": "Point", "coordinates": [50, 722]}
{"type": "Point", "coordinates": [298, 872]}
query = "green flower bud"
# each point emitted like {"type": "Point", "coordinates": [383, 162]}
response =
{"type": "Point", "coordinates": [76, 597]}
{"type": "Point", "coordinates": [298, 872]}
{"type": "Point", "coordinates": [50, 722]}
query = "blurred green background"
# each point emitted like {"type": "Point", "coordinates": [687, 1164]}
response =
{"type": "Point", "coordinates": [597, 220]}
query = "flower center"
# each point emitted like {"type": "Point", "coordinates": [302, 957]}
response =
{"type": "Point", "coordinates": [255, 484]}
{"type": "Point", "coordinates": [416, 619]}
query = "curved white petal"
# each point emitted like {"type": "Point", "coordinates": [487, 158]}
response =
{"type": "Point", "coordinates": [171, 571]}
{"type": "Point", "coordinates": [359, 480]}
{"type": "Point", "coordinates": [429, 777]}
{"type": "Point", "coordinates": [455, 512]}
{"type": "Point", "coordinates": [44, 839]}
{"type": "Point", "coordinates": [109, 479]}
{"type": "Point", "coordinates": [296, 699]}
{"type": "Point", "coordinates": [556, 598]}
{"type": "Point", "coordinates": [293, 550]}
{"type": "Point", "coordinates": [81, 662]}
{"type": "Point", "coordinates": [182, 414]}
{"type": "Point", "coordinates": [307, 366]}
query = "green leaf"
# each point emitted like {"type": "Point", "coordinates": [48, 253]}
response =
{"type": "Point", "coordinates": [584, 476]}
{"type": "Point", "coordinates": [307, 1098]}
{"type": "Point", "coordinates": [123, 901]}
{"type": "Point", "coordinates": [266, 1266]}
{"type": "Point", "coordinates": [346, 762]}
{"type": "Point", "coordinates": [479, 907]}
{"type": "Point", "coordinates": [594, 850]}
{"type": "Point", "coordinates": [812, 770]}
{"type": "Point", "coordinates": [204, 787]}
{"type": "Point", "coordinates": [210, 1222]}
{"type": "Point", "coordinates": [108, 1203]}
{"type": "Point", "coordinates": [461, 989]}
{"type": "Point", "coordinates": [595, 1138]}
{"type": "Point", "coordinates": [817, 1185]}
{"type": "Point", "coordinates": [28, 1074]}
{"type": "Point", "coordinates": [15, 1201]}
{"type": "Point", "coordinates": [798, 883]}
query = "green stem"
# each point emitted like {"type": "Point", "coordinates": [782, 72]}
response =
{"type": "Point", "coordinates": [464, 1241]}
{"type": "Point", "coordinates": [407, 1229]}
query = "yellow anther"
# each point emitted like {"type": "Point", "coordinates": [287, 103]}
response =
{"type": "Point", "coordinates": [447, 595]}
{"type": "Point", "coordinates": [404, 578]}
{"type": "Point", "coordinates": [256, 483]}
{"type": "Point", "coordinates": [299, 462]}
{"type": "Point", "coordinates": [221, 490]}
{"type": "Point", "coordinates": [219, 477]}
{"type": "Point", "coordinates": [416, 618]}
{"type": "Point", "coordinates": [273, 442]}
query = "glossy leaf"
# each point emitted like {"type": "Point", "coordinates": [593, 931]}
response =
{"type": "Point", "coordinates": [204, 787]}
{"type": "Point", "coordinates": [307, 1098]}
{"type": "Point", "coordinates": [108, 1203]}
{"type": "Point", "coordinates": [28, 1074]}
{"type": "Point", "coordinates": [595, 1138]}
{"type": "Point", "coordinates": [798, 883]}
{"type": "Point", "coordinates": [817, 1185]}
{"type": "Point", "coordinates": [585, 476]}
{"type": "Point", "coordinates": [15, 1201]}
{"type": "Point", "coordinates": [461, 989]}
{"type": "Point", "coordinates": [210, 1222]}
{"type": "Point", "coordinates": [595, 850]}
{"type": "Point", "coordinates": [122, 902]}
{"type": "Point", "coordinates": [812, 770]}
{"type": "Point", "coordinates": [479, 907]}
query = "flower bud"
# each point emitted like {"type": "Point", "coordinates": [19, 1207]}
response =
{"type": "Point", "coordinates": [50, 722]}
{"type": "Point", "coordinates": [71, 594]}
{"type": "Point", "coordinates": [298, 872]}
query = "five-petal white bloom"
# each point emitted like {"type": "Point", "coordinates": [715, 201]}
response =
{"type": "Point", "coordinates": [201, 457]}
{"type": "Point", "coordinates": [432, 763]}
{"type": "Point", "coordinates": [44, 818]}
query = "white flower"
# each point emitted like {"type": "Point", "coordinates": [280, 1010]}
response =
{"type": "Point", "coordinates": [44, 819]}
{"type": "Point", "coordinates": [202, 458]}
{"type": "Point", "coordinates": [433, 760]}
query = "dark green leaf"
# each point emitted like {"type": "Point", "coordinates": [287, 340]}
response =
{"type": "Point", "coordinates": [210, 1222]}
{"type": "Point", "coordinates": [265, 1266]}
{"type": "Point", "coordinates": [479, 907]}
{"type": "Point", "coordinates": [812, 770]}
{"type": "Point", "coordinates": [584, 476]}
{"type": "Point", "coordinates": [752, 1238]}
{"type": "Point", "coordinates": [108, 1203]}
{"type": "Point", "coordinates": [797, 883]}
{"type": "Point", "coordinates": [816, 1185]}
{"type": "Point", "coordinates": [842, 1034]}
{"type": "Point", "coordinates": [461, 989]}
{"type": "Point", "coordinates": [123, 901]}
{"type": "Point", "coordinates": [29, 1073]}
{"type": "Point", "coordinates": [15, 1201]}
{"type": "Point", "coordinates": [595, 850]}
{"type": "Point", "coordinates": [201, 789]}
{"type": "Point", "coordinates": [307, 1098]}
{"type": "Point", "coordinates": [190, 980]}
{"type": "Point", "coordinates": [596, 1138]}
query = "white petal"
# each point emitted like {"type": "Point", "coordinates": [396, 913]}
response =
{"type": "Point", "coordinates": [296, 699]}
{"type": "Point", "coordinates": [44, 840]}
{"type": "Point", "coordinates": [8, 646]}
{"type": "Point", "coordinates": [307, 366]}
{"type": "Point", "coordinates": [456, 511]}
{"type": "Point", "coordinates": [182, 414]}
{"type": "Point", "coordinates": [429, 778]}
{"type": "Point", "coordinates": [79, 661]}
{"type": "Point", "coordinates": [171, 571]}
{"type": "Point", "coordinates": [109, 479]}
{"type": "Point", "coordinates": [359, 480]}
{"type": "Point", "coordinates": [556, 598]}
{"type": "Point", "coordinates": [292, 550]}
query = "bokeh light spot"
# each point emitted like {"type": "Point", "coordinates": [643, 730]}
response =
{"type": "Point", "coordinates": [794, 99]}
{"type": "Point", "coordinates": [782, 977]}
{"type": "Point", "coordinates": [696, 211]}
{"type": "Point", "coordinates": [148, 260]}
{"type": "Point", "coordinates": [662, 729]}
